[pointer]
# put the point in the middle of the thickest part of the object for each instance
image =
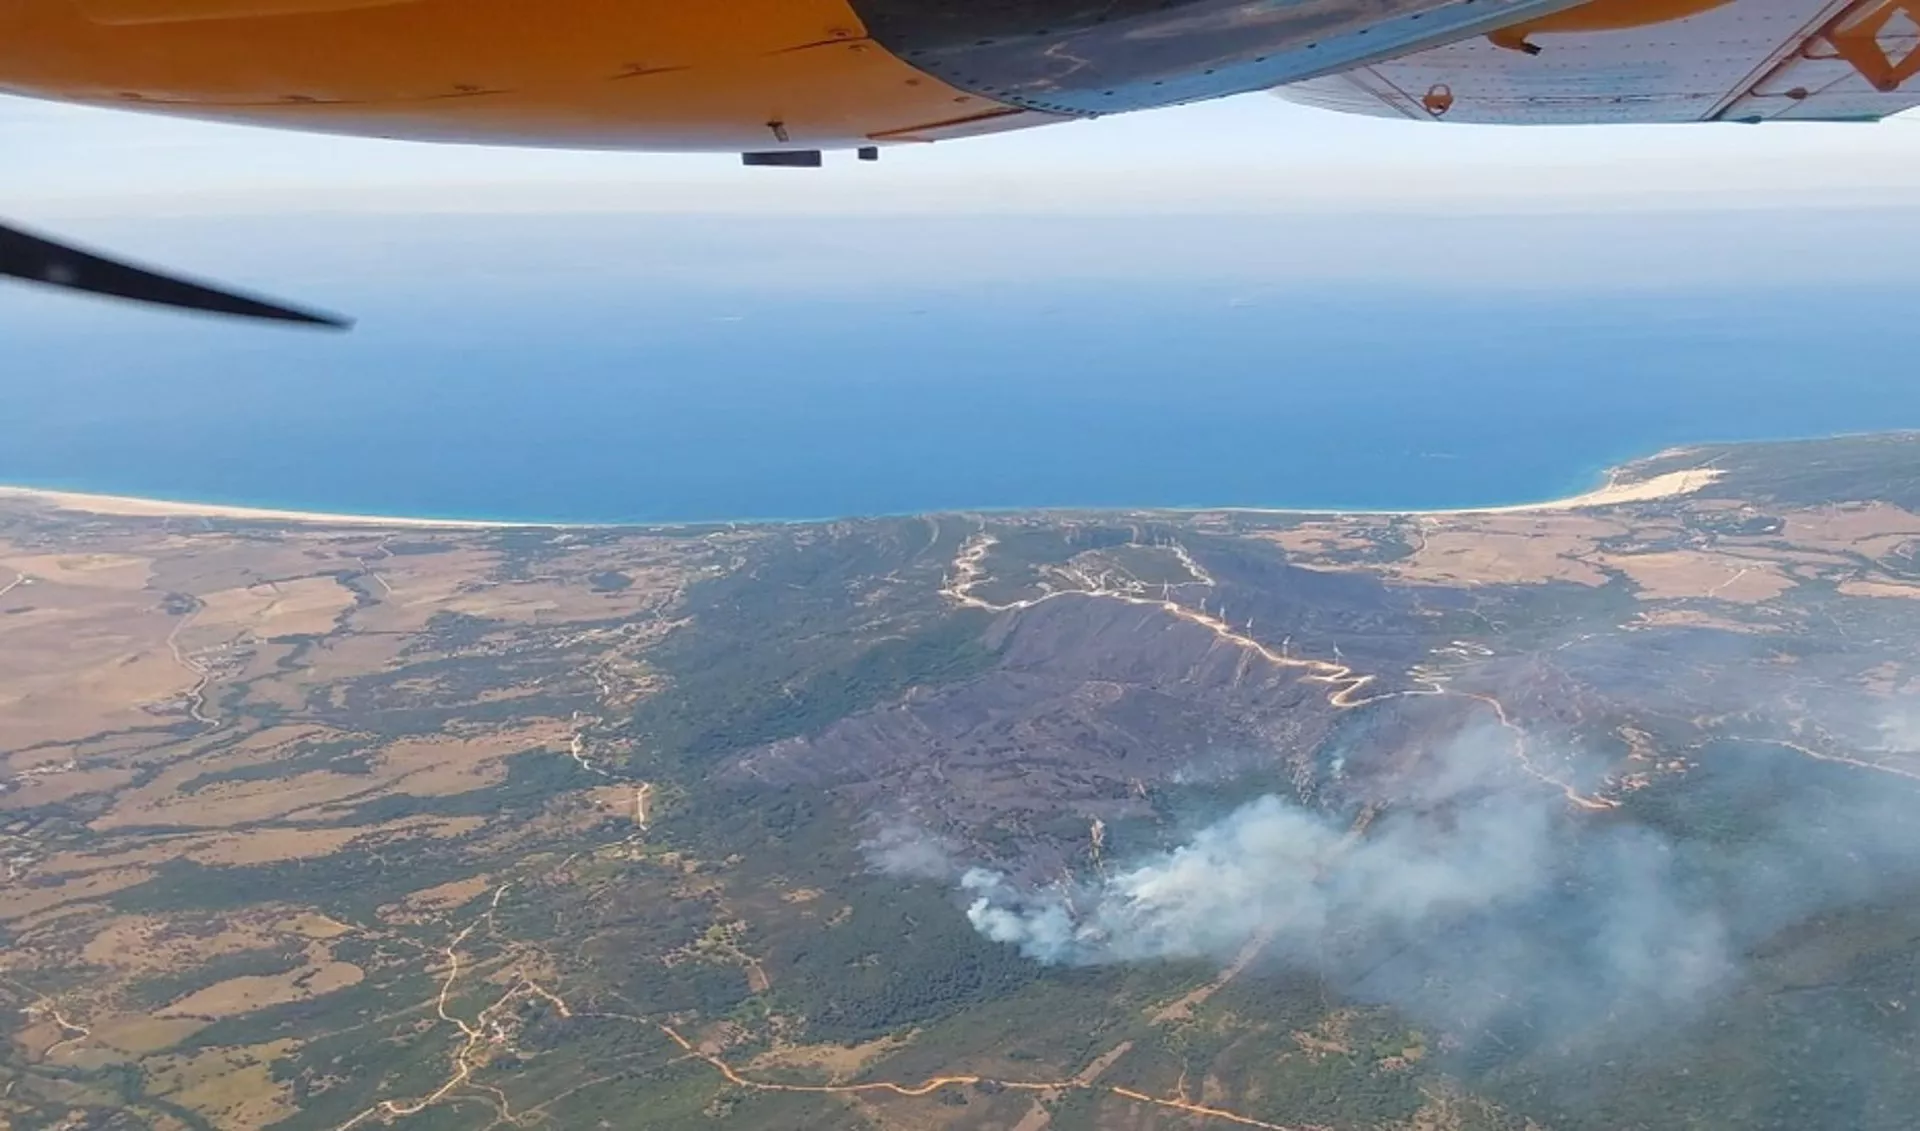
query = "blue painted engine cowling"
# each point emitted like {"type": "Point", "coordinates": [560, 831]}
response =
{"type": "Point", "coordinates": [1091, 57]}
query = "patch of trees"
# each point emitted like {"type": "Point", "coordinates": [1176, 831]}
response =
{"type": "Point", "coordinates": [351, 884]}
{"type": "Point", "coordinates": [743, 701]}
{"type": "Point", "coordinates": [155, 992]}
{"type": "Point", "coordinates": [450, 631]}
{"type": "Point", "coordinates": [903, 957]}
{"type": "Point", "coordinates": [534, 777]}
{"type": "Point", "coordinates": [609, 581]}
{"type": "Point", "coordinates": [343, 756]}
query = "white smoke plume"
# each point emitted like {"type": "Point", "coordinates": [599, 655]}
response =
{"type": "Point", "coordinates": [1475, 897]}
{"type": "Point", "coordinates": [902, 848]}
{"type": "Point", "coordinates": [1275, 867]}
{"type": "Point", "coordinates": [1899, 729]}
{"type": "Point", "coordinates": [1268, 867]}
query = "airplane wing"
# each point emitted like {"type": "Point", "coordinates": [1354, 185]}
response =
{"type": "Point", "coordinates": [1621, 61]}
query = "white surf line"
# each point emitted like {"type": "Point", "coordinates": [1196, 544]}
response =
{"type": "Point", "coordinates": [1614, 492]}
{"type": "Point", "coordinates": [130, 506]}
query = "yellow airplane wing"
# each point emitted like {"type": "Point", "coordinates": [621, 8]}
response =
{"type": "Point", "coordinates": [779, 81]}
{"type": "Point", "coordinates": [1620, 61]}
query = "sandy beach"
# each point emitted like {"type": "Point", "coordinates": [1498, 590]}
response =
{"type": "Point", "coordinates": [1669, 486]}
{"type": "Point", "coordinates": [126, 506]}
{"type": "Point", "coordinates": [1615, 492]}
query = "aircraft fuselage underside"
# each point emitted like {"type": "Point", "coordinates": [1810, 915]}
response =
{"type": "Point", "coordinates": [745, 75]}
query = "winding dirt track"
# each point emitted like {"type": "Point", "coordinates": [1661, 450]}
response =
{"type": "Point", "coordinates": [969, 571]}
{"type": "Point", "coordinates": [482, 1032]}
{"type": "Point", "coordinates": [928, 1087]}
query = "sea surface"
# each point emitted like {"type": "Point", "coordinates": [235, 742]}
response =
{"type": "Point", "coordinates": [652, 376]}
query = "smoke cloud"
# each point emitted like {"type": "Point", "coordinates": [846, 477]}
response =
{"type": "Point", "coordinates": [1899, 729]}
{"type": "Point", "coordinates": [901, 848]}
{"type": "Point", "coordinates": [1476, 899]}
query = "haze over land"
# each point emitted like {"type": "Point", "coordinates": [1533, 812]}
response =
{"type": "Point", "coordinates": [1580, 818]}
{"type": "Point", "coordinates": [1571, 819]}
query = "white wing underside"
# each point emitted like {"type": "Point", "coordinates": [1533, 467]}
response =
{"type": "Point", "coordinates": [1750, 60]}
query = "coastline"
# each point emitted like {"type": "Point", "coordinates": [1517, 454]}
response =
{"type": "Point", "coordinates": [1613, 492]}
{"type": "Point", "coordinates": [132, 506]}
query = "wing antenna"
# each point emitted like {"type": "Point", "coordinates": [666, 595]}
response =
{"type": "Point", "coordinates": [40, 260]}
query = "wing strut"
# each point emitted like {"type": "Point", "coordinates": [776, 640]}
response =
{"type": "Point", "coordinates": [40, 260]}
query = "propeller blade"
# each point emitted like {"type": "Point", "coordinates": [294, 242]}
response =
{"type": "Point", "coordinates": [37, 260]}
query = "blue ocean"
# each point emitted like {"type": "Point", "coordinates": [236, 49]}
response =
{"type": "Point", "coordinates": [653, 369]}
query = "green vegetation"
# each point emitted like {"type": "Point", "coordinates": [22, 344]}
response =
{"type": "Point", "coordinates": [344, 756]}
{"type": "Point", "coordinates": [746, 915]}
{"type": "Point", "coordinates": [1884, 466]}
{"type": "Point", "coordinates": [815, 628]}
{"type": "Point", "coordinates": [534, 778]}
{"type": "Point", "coordinates": [352, 885]}
{"type": "Point", "coordinates": [609, 581]}
{"type": "Point", "coordinates": [158, 991]}
{"type": "Point", "coordinates": [450, 632]}
{"type": "Point", "coordinates": [758, 699]}
{"type": "Point", "coordinates": [903, 957]}
{"type": "Point", "coordinates": [347, 1068]}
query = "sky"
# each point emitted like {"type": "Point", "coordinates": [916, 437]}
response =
{"type": "Point", "coordinates": [1339, 199]}
{"type": "Point", "coordinates": [1253, 154]}
{"type": "Point", "coordinates": [551, 274]}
